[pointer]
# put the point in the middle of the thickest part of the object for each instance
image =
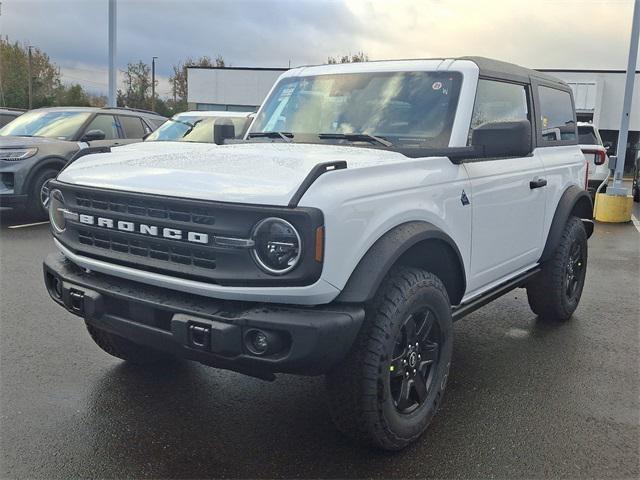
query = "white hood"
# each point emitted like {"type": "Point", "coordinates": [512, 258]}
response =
{"type": "Point", "coordinates": [256, 173]}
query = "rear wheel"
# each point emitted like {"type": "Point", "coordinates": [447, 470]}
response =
{"type": "Point", "coordinates": [38, 201]}
{"type": "Point", "coordinates": [390, 386]}
{"type": "Point", "coordinates": [555, 293]}
{"type": "Point", "coordinates": [125, 349]}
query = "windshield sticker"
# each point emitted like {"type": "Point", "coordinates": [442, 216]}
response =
{"type": "Point", "coordinates": [286, 92]}
{"type": "Point", "coordinates": [436, 85]}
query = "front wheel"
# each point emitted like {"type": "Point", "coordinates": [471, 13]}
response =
{"type": "Point", "coordinates": [390, 386]}
{"type": "Point", "coordinates": [38, 201]}
{"type": "Point", "coordinates": [555, 293]}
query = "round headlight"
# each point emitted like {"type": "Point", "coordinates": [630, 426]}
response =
{"type": "Point", "coordinates": [277, 246]}
{"type": "Point", "coordinates": [56, 211]}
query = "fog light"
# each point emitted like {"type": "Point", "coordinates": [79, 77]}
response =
{"type": "Point", "coordinates": [57, 286]}
{"type": "Point", "coordinates": [261, 342]}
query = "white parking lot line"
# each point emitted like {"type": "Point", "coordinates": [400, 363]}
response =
{"type": "Point", "coordinates": [28, 225]}
{"type": "Point", "coordinates": [636, 222]}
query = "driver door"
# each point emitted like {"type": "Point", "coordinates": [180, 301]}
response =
{"type": "Point", "coordinates": [508, 206]}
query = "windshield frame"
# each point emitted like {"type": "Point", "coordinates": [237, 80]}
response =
{"type": "Point", "coordinates": [409, 141]}
{"type": "Point", "coordinates": [84, 116]}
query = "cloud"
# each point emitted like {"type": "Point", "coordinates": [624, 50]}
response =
{"type": "Point", "coordinates": [272, 33]}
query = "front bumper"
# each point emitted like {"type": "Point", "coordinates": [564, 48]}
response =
{"type": "Point", "coordinates": [312, 339]}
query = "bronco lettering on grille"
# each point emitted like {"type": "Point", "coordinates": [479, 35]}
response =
{"type": "Point", "coordinates": [144, 229]}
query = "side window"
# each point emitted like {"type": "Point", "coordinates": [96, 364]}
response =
{"type": "Point", "coordinates": [498, 102]}
{"type": "Point", "coordinates": [106, 123]}
{"type": "Point", "coordinates": [557, 118]}
{"type": "Point", "coordinates": [132, 126]}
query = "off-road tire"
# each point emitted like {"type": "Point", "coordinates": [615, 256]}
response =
{"type": "Point", "coordinates": [126, 349]}
{"type": "Point", "coordinates": [359, 389]}
{"type": "Point", "coordinates": [34, 208]}
{"type": "Point", "coordinates": [547, 293]}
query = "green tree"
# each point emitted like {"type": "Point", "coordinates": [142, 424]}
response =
{"type": "Point", "coordinates": [14, 76]}
{"type": "Point", "coordinates": [73, 96]}
{"type": "Point", "coordinates": [349, 58]}
{"type": "Point", "coordinates": [137, 92]}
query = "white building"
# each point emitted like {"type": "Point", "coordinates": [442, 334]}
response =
{"type": "Point", "coordinates": [230, 88]}
{"type": "Point", "coordinates": [598, 96]}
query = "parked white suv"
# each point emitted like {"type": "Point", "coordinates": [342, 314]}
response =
{"type": "Point", "coordinates": [596, 155]}
{"type": "Point", "coordinates": [370, 206]}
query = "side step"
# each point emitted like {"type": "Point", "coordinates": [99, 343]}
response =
{"type": "Point", "coordinates": [465, 309]}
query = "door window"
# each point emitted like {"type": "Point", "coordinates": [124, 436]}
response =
{"type": "Point", "coordinates": [105, 123]}
{"type": "Point", "coordinates": [557, 118]}
{"type": "Point", "coordinates": [498, 102]}
{"type": "Point", "coordinates": [132, 127]}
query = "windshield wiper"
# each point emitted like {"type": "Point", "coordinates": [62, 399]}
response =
{"type": "Point", "coordinates": [286, 136]}
{"type": "Point", "coordinates": [357, 137]}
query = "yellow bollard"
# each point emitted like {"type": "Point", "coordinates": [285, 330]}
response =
{"type": "Point", "coordinates": [613, 208]}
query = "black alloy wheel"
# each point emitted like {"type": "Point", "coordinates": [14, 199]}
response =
{"type": "Point", "coordinates": [414, 362]}
{"type": "Point", "coordinates": [573, 272]}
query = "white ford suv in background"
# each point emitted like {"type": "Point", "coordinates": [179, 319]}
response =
{"type": "Point", "coordinates": [596, 155]}
{"type": "Point", "coordinates": [369, 206]}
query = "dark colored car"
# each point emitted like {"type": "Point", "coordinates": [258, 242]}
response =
{"type": "Point", "coordinates": [39, 143]}
{"type": "Point", "coordinates": [9, 114]}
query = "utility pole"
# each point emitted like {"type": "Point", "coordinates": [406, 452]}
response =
{"type": "Point", "coordinates": [30, 79]}
{"type": "Point", "coordinates": [112, 53]}
{"type": "Point", "coordinates": [153, 83]}
{"type": "Point", "coordinates": [618, 187]}
{"type": "Point", "coordinates": [1, 45]}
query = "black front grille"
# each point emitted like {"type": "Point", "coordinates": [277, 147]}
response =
{"type": "Point", "coordinates": [200, 259]}
{"type": "Point", "coordinates": [147, 208]}
{"type": "Point", "coordinates": [141, 247]}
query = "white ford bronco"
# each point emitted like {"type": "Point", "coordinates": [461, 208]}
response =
{"type": "Point", "coordinates": [368, 207]}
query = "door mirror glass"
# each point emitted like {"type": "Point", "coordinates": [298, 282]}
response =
{"type": "Point", "coordinates": [502, 139]}
{"type": "Point", "coordinates": [93, 135]}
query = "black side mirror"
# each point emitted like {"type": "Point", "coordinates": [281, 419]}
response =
{"type": "Point", "coordinates": [93, 135]}
{"type": "Point", "coordinates": [223, 129]}
{"type": "Point", "coordinates": [502, 139]}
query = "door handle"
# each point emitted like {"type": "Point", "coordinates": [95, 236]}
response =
{"type": "Point", "coordinates": [537, 183]}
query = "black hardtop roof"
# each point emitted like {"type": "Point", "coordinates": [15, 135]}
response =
{"type": "Point", "coordinates": [489, 67]}
{"type": "Point", "coordinates": [509, 71]}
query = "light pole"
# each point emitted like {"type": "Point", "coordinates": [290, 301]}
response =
{"type": "Point", "coordinates": [30, 79]}
{"type": "Point", "coordinates": [618, 188]}
{"type": "Point", "coordinates": [112, 53]}
{"type": "Point", "coordinates": [153, 83]}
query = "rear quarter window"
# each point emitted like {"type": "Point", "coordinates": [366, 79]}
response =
{"type": "Point", "coordinates": [557, 116]}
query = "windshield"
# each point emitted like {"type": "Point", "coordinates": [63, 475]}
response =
{"type": "Point", "coordinates": [405, 108]}
{"type": "Point", "coordinates": [587, 136]}
{"type": "Point", "coordinates": [60, 125]}
{"type": "Point", "coordinates": [183, 128]}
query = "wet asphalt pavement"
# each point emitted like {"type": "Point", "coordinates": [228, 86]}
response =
{"type": "Point", "coordinates": [524, 399]}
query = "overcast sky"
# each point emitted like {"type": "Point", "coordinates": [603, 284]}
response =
{"type": "Point", "coordinates": [272, 33]}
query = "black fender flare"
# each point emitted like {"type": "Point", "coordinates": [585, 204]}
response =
{"type": "Point", "coordinates": [574, 201]}
{"type": "Point", "coordinates": [397, 244]}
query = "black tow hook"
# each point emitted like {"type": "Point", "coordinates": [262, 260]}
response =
{"type": "Point", "coordinates": [76, 300]}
